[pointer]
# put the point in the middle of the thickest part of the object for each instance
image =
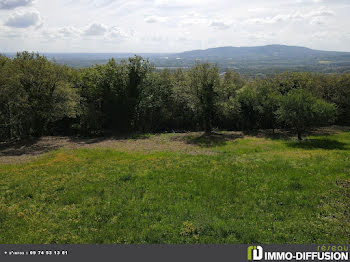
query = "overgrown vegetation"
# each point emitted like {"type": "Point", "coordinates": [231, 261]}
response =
{"type": "Point", "coordinates": [224, 188]}
{"type": "Point", "coordinates": [38, 97]}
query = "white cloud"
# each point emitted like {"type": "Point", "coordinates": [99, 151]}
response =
{"type": "Point", "coordinates": [117, 33]}
{"type": "Point", "coordinates": [24, 19]}
{"type": "Point", "coordinates": [317, 21]}
{"type": "Point", "coordinates": [294, 16]}
{"type": "Point", "coordinates": [176, 3]}
{"type": "Point", "coordinates": [310, 1]}
{"type": "Point", "coordinates": [191, 19]}
{"type": "Point", "coordinates": [92, 32]}
{"type": "Point", "coordinates": [95, 29]}
{"type": "Point", "coordinates": [321, 12]}
{"type": "Point", "coordinates": [49, 35]}
{"type": "Point", "coordinates": [160, 25]}
{"type": "Point", "coordinates": [259, 10]}
{"type": "Point", "coordinates": [69, 32]}
{"type": "Point", "coordinates": [9, 33]}
{"type": "Point", "coordinates": [12, 4]}
{"type": "Point", "coordinates": [155, 19]}
{"type": "Point", "coordinates": [272, 19]}
{"type": "Point", "coordinates": [220, 25]}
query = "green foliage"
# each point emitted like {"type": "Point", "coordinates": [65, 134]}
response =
{"type": "Point", "coordinates": [248, 100]}
{"type": "Point", "coordinates": [185, 105]}
{"type": "Point", "coordinates": [268, 102]}
{"type": "Point", "coordinates": [336, 89]}
{"type": "Point", "coordinates": [34, 93]}
{"type": "Point", "coordinates": [39, 97]}
{"type": "Point", "coordinates": [111, 94]}
{"type": "Point", "coordinates": [228, 106]}
{"type": "Point", "coordinates": [3, 61]}
{"type": "Point", "coordinates": [154, 111]}
{"type": "Point", "coordinates": [204, 79]}
{"type": "Point", "coordinates": [300, 110]}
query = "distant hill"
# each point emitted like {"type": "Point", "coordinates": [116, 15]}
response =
{"type": "Point", "coordinates": [261, 52]}
{"type": "Point", "coordinates": [252, 61]}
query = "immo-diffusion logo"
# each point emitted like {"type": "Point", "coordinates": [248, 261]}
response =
{"type": "Point", "coordinates": [255, 253]}
{"type": "Point", "coordinates": [333, 253]}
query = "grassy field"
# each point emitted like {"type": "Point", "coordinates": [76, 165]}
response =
{"type": "Point", "coordinates": [182, 188]}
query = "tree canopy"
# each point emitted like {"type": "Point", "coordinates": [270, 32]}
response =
{"type": "Point", "coordinates": [39, 97]}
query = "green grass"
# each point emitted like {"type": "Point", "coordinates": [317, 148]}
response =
{"type": "Point", "coordinates": [248, 190]}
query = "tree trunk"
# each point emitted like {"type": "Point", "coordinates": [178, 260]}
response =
{"type": "Point", "coordinates": [207, 125]}
{"type": "Point", "coordinates": [299, 136]}
{"type": "Point", "coordinates": [208, 130]}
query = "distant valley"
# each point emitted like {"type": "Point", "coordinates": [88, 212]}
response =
{"type": "Point", "coordinates": [253, 61]}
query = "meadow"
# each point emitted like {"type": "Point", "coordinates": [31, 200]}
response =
{"type": "Point", "coordinates": [230, 187]}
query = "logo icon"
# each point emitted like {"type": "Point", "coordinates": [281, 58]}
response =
{"type": "Point", "coordinates": [255, 253]}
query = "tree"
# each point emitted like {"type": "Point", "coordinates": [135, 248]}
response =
{"type": "Point", "coordinates": [3, 61]}
{"type": "Point", "coordinates": [185, 102]}
{"type": "Point", "coordinates": [336, 89]}
{"type": "Point", "coordinates": [39, 97]}
{"type": "Point", "coordinates": [155, 108]}
{"type": "Point", "coordinates": [111, 94]}
{"type": "Point", "coordinates": [247, 98]}
{"type": "Point", "coordinates": [138, 68]}
{"type": "Point", "coordinates": [227, 103]}
{"type": "Point", "coordinates": [34, 93]}
{"type": "Point", "coordinates": [287, 81]}
{"type": "Point", "coordinates": [14, 105]}
{"type": "Point", "coordinates": [91, 119]}
{"type": "Point", "coordinates": [267, 104]}
{"type": "Point", "coordinates": [300, 111]}
{"type": "Point", "coordinates": [204, 79]}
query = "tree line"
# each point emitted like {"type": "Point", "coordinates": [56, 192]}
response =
{"type": "Point", "coordinates": [39, 97]}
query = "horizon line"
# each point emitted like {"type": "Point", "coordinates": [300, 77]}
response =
{"type": "Point", "coordinates": [165, 53]}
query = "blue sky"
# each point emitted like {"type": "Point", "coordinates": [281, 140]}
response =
{"type": "Point", "coordinates": [171, 25]}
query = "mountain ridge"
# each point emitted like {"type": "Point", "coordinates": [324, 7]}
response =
{"type": "Point", "coordinates": [266, 50]}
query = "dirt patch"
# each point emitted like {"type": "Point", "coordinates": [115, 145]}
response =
{"type": "Point", "coordinates": [28, 150]}
{"type": "Point", "coordinates": [189, 143]}
{"type": "Point", "coordinates": [330, 130]}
